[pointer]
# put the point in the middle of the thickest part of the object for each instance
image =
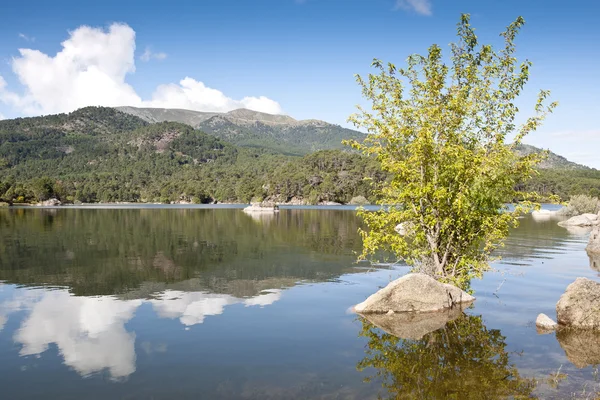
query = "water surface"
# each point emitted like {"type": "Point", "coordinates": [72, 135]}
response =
{"type": "Point", "coordinates": [173, 302]}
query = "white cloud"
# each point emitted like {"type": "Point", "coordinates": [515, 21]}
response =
{"type": "Point", "coordinates": [422, 7]}
{"type": "Point", "coordinates": [2, 117]}
{"type": "Point", "coordinates": [91, 69]}
{"type": "Point", "coordinates": [194, 95]}
{"type": "Point", "coordinates": [26, 38]}
{"type": "Point", "coordinates": [148, 55]}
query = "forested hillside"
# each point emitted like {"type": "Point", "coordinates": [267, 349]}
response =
{"type": "Point", "coordinates": [101, 154]}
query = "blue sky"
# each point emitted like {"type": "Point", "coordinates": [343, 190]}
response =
{"type": "Point", "coordinates": [291, 56]}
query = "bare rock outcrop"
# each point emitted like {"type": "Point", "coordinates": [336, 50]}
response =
{"type": "Point", "coordinates": [414, 292]}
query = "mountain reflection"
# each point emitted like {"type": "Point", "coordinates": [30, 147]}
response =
{"type": "Point", "coordinates": [90, 332]}
{"type": "Point", "coordinates": [463, 360]}
{"type": "Point", "coordinates": [119, 251]}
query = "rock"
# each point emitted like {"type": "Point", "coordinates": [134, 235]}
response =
{"type": "Point", "coordinates": [579, 306]}
{"type": "Point", "coordinates": [544, 215]}
{"type": "Point", "coordinates": [591, 217]}
{"type": "Point", "coordinates": [413, 325]}
{"type": "Point", "coordinates": [359, 201]}
{"type": "Point", "coordinates": [3, 204]}
{"type": "Point", "coordinates": [545, 324]}
{"type": "Point", "coordinates": [594, 243]}
{"type": "Point", "coordinates": [330, 203]}
{"type": "Point", "coordinates": [594, 261]}
{"type": "Point", "coordinates": [262, 207]}
{"type": "Point", "coordinates": [579, 220]}
{"type": "Point", "coordinates": [582, 347]}
{"type": "Point", "coordinates": [50, 203]}
{"type": "Point", "coordinates": [414, 293]}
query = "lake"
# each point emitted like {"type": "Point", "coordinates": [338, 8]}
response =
{"type": "Point", "coordinates": [211, 303]}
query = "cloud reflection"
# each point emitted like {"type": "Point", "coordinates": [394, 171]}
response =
{"type": "Point", "coordinates": [90, 332]}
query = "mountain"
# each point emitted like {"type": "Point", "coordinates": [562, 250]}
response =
{"type": "Point", "coordinates": [249, 128]}
{"type": "Point", "coordinates": [102, 154]}
{"type": "Point", "coordinates": [552, 161]}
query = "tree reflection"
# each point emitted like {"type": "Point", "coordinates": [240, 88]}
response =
{"type": "Point", "coordinates": [463, 360]}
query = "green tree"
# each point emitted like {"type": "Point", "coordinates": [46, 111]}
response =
{"type": "Point", "coordinates": [441, 131]}
{"type": "Point", "coordinates": [43, 188]}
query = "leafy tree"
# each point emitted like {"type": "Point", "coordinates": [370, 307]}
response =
{"type": "Point", "coordinates": [441, 131]}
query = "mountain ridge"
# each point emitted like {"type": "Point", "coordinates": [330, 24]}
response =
{"type": "Point", "coordinates": [249, 128]}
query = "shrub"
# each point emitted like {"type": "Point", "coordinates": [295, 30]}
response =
{"type": "Point", "coordinates": [581, 204]}
{"type": "Point", "coordinates": [359, 201]}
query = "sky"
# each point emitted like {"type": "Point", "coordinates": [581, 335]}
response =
{"type": "Point", "coordinates": [295, 57]}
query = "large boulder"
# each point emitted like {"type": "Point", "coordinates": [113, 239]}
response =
{"type": "Point", "coordinates": [594, 243]}
{"type": "Point", "coordinates": [413, 325]}
{"type": "Point", "coordinates": [582, 347]}
{"type": "Point", "coordinates": [579, 306]}
{"type": "Point", "coordinates": [579, 220]}
{"type": "Point", "coordinates": [414, 293]}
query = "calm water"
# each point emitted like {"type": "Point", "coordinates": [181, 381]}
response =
{"type": "Point", "coordinates": [163, 303]}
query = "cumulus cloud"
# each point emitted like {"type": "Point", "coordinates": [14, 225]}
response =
{"type": "Point", "coordinates": [91, 69]}
{"type": "Point", "coordinates": [422, 7]}
{"type": "Point", "coordinates": [148, 55]}
{"type": "Point", "coordinates": [194, 95]}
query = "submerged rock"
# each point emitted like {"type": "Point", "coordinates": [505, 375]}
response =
{"type": "Point", "coordinates": [411, 325]}
{"type": "Point", "coordinates": [582, 347]}
{"type": "Point", "coordinates": [414, 293]}
{"type": "Point", "coordinates": [579, 220]}
{"type": "Point", "coordinates": [594, 243]}
{"type": "Point", "coordinates": [579, 306]}
{"type": "Point", "coordinates": [545, 324]}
